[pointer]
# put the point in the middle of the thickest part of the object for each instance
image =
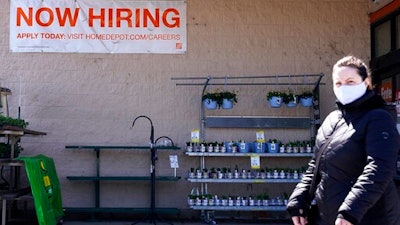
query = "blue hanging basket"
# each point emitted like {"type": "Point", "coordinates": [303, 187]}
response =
{"type": "Point", "coordinates": [306, 102]}
{"type": "Point", "coordinates": [227, 104]}
{"type": "Point", "coordinates": [275, 102]}
{"type": "Point", "coordinates": [210, 104]}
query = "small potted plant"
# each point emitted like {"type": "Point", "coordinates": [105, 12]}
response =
{"type": "Point", "coordinates": [290, 99]}
{"type": "Point", "coordinates": [189, 146]}
{"type": "Point", "coordinates": [211, 99]}
{"type": "Point", "coordinates": [275, 98]}
{"type": "Point", "coordinates": [192, 173]}
{"type": "Point", "coordinates": [229, 98]}
{"type": "Point", "coordinates": [265, 199]}
{"type": "Point", "coordinates": [224, 200]}
{"type": "Point", "coordinates": [306, 98]}
{"type": "Point", "coordinates": [5, 150]}
{"type": "Point", "coordinates": [4, 120]}
{"type": "Point", "coordinates": [273, 146]}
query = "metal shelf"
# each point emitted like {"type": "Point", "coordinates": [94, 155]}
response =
{"type": "Point", "coordinates": [238, 154]}
{"type": "Point", "coordinates": [240, 208]}
{"type": "Point", "coordinates": [267, 181]}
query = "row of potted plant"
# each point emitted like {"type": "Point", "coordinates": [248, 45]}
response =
{"type": "Point", "coordinates": [219, 99]}
{"type": "Point", "coordinates": [228, 173]}
{"type": "Point", "coordinates": [272, 146]}
{"type": "Point", "coordinates": [226, 99]}
{"type": "Point", "coordinates": [291, 99]}
{"type": "Point", "coordinates": [230, 200]}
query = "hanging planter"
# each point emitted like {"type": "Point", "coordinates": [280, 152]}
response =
{"type": "Point", "coordinates": [220, 99]}
{"type": "Point", "coordinates": [228, 99]}
{"type": "Point", "coordinates": [275, 98]}
{"type": "Point", "coordinates": [227, 104]}
{"type": "Point", "coordinates": [210, 100]}
{"type": "Point", "coordinates": [306, 102]}
{"type": "Point", "coordinates": [210, 104]}
{"type": "Point", "coordinates": [290, 99]}
{"type": "Point", "coordinates": [306, 99]}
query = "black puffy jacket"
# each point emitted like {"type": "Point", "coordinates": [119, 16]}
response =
{"type": "Point", "coordinates": [357, 168]}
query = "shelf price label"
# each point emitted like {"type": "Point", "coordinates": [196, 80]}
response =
{"type": "Point", "coordinates": [260, 137]}
{"type": "Point", "coordinates": [255, 161]}
{"type": "Point", "coordinates": [195, 136]}
{"type": "Point", "coordinates": [173, 161]}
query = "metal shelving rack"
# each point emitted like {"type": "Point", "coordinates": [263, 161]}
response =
{"type": "Point", "coordinates": [312, 123]}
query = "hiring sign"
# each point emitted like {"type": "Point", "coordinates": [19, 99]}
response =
{"type": "Point", "coordinates": [98, 26]}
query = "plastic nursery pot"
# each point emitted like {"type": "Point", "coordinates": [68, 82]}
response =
{"type": "Point", "coordinates": [258, 147]}
{"type": "Point", "coordinates": [210, 104]}
{"type": "Point", "coordinates": [228, 146]}
{"type": "Point", "coordinates": [244, 147]}
{"type": "Point", "coordinates": [306, 102]}
{"type": "Point", "coordinates": [273, 147]}
{"type": "Point", "coordinates": [227, 104]}
{"type": "Point", "coordinates": [275, 102]}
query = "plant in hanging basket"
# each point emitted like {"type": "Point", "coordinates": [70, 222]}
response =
{"type": "Point", "coordinates": [275, 98]}
{"type": "Point", "coordinates": [306, 98]}
{"type": "Point", "coordinates": [290, 99]}
{"type": "Point", "coordinates": [306, 94]}
{"type": "Point", "coordinates": [230, 95]}
{"type": "Point", "coordinates": [228, 98]}
{"type": "Point", "coordinates": [211, 99]}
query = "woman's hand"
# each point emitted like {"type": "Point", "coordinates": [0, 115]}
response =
{"type": "Point", "coordinates": [299, 220]}
{"type": "Point", "coordinates": [340, 221]}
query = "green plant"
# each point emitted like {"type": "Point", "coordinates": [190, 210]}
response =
{"type": "Point", "coordinates": [5, 150]}
{"type": "Point", "coordinates": [219, 96]}
{"type": "Point", "coordinates": [13, 122]}
{"type": "Point", "coordinates": [289, 97]}
{"type": "Point", "coordinates": [232, 96]}
{"type": "Point", "coordinates": [215, 96]}
{"type": "Point", "coordinates": [306, 94]}
{"type": "Point", "coordinates": [271, 94]}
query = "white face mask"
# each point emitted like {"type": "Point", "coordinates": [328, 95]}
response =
{"type": "Point", "coordinates": [349, 93]}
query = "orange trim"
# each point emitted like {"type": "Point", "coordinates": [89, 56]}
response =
{"type": "Point", "coordinates": [387, 9]}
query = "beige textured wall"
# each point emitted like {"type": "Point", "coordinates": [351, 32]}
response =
{"type": "Point", "coordinates": [92, 99]}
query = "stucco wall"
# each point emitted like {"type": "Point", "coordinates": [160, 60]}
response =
{"type": "Point", "coordinates": [92, 99]}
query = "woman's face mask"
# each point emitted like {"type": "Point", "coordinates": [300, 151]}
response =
{"type": "Point", "coordinates": [348, 85]}
{"type": "Point", "coordinates": [347, 94]}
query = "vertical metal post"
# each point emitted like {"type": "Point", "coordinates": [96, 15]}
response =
{"type": "Point", "coordinates": [202, 116]}
{"type": "Point", "coordinates": [97, 182]}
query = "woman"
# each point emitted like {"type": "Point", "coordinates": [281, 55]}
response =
{"type": "Point", "coordinates": [356, 169]}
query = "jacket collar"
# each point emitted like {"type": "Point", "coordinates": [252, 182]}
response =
{"type": "Point", "coordinates": [370, 100]}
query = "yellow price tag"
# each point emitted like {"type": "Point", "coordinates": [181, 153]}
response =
{"type": "Point", "coordinates": [195, 136]}
{"type": "Point", "coordinates": [260, 137]}
{"type": "Point", "coordinates": [255, 161]}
